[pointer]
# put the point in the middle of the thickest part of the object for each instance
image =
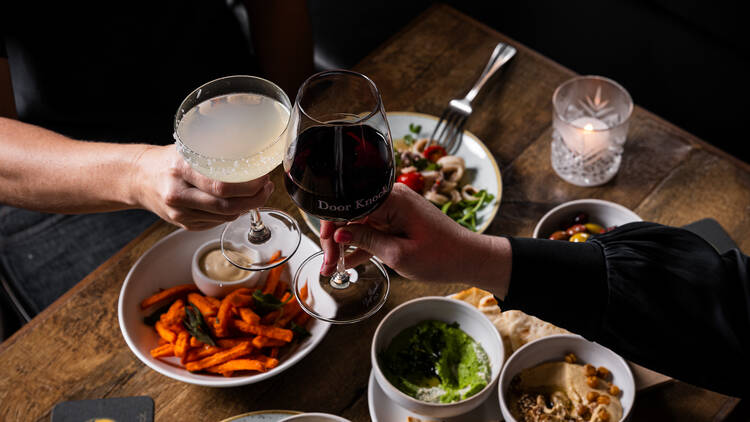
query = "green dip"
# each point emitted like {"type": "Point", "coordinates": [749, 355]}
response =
{"type": "Point", "coordinates": [436, 362]}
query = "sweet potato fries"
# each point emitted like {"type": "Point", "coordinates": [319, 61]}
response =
{"type": "Point", "coordinates": [239, 334]}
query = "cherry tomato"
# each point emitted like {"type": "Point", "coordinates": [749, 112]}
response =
{"type": "Point", "coordinates": [413, 180]}
{"type": "Point", "coordinates": [434, 153]}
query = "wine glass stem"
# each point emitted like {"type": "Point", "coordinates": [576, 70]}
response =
{"type": "Point", "coordinates": [340, 279]}
{"type": "Point", "coordinates": [258, 233]}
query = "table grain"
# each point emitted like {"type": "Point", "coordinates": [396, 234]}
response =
{"type": "Point", "coordinates": [73, 350]}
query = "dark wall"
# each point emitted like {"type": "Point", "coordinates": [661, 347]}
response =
{"type": "Point", "coordinates": [686, 61]}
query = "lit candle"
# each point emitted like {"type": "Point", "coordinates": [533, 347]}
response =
{"type": "Point", "coordinates": [586, 136]}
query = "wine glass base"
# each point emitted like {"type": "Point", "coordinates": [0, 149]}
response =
{"type": "Point", "coordinates": [344, 279]}
{"type": "Point", "coordinates": [259, 237]}
{"type": "Point", "coordinates": [284, 238]}
{"type": "Point", "coordinates": [324, 299]}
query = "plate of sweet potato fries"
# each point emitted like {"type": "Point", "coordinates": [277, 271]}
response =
{"type": "Point", "coordinates": [247, 336]}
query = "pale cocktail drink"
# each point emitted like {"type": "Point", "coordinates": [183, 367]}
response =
{"type": "Point", "coordinates": [233, 137]}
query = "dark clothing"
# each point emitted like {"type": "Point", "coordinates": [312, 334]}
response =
{"type": "Point", "coordinates": [105, 71]}
{"type": "Point", "coordinates": [117, 71]}
{"type": "Point", "coordinates": [659, 296]}
{"type": "Point", "coordinates": [44, 255]}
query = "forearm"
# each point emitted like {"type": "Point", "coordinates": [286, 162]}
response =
{"type": "Point", "coordinates": [45, 171]}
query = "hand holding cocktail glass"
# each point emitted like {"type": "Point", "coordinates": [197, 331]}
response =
{"type": "Point", "coordinates": [230, 130]}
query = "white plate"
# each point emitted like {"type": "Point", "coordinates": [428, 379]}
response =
{"type": "Point", "coordinates": [382, 409]}
{"type": "Point", "coordinates": [263, 416]}
{"type": "Point", "coordinates": [481, 166]}
{"type": "Point", "coordinates": [167, 264]}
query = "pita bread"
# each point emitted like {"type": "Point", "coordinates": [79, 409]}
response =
{"type": "Point", "coordinates": [516, 328]}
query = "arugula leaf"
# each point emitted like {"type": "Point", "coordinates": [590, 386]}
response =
{"type": "Point", "coordinates": [196, 325]}
{"type": "Point", "coordinates": [155, 316]}
{"type": "Point", "coordinates": [425, 164]}
{"type": "Point", "coordinates": [416, 129]}
{"type": "Point", "coordinates": [409, 140]}
{"type": "Point", "coordinates": [266, 303]}
{"type": "Point", "coordinates": [465, 211]}
{"type": "Point", "coordinates": [300, 332]}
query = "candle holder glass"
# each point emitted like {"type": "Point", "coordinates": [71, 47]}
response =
{"type": "Point", "coordinates": [590, 127]}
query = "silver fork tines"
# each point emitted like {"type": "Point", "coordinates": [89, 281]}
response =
{"type": "Point", "coordinates": [452, 121]}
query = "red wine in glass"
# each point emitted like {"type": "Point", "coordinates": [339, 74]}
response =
{"type": "Point", "coordinates": [340, 172]}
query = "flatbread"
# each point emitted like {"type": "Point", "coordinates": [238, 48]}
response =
{"type": "Point", "coordinates": [516, 328]}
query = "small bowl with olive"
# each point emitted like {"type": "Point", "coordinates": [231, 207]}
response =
{"type": "Point", "coordinates": [577, 221]}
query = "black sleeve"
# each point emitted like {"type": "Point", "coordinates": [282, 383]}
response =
{"type": "Point", "coordinates": [659, 296]}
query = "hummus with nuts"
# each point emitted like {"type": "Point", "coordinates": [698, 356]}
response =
{"type": "Point", "coordinates": [564, 392]}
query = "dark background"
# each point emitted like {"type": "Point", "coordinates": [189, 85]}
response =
{"type": "Point", "coordinates": [687, 61]}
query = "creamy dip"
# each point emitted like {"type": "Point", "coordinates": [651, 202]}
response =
{"type": "Point", "coordinates": [436, 362]}
{"type": "Point", "coordinates": [562, 391]}
{"type": "Point", "coordinates": [215, 265]}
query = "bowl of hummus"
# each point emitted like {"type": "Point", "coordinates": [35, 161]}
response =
{"type": "Point", "coordinates": [566, 378]}
{"type": "Point", "coordinates": [437, 356]}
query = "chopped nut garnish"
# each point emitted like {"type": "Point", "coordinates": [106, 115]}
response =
{"type": "Point", "coordinates": [571, 358]}
{"type": "Point", "coordinates": [589, 370]}
{"type": "Point", "coordinates": [603, 400]}
{"type": "Point", "coordinates": [603, 415]}
{"type": "Point", "coordinates": [603, 372]}
{"type": "Point", "coordinates": [591, 396]}
{"type": "Point", "coordinates": [592, 381]}
{"type": "Point", "coordinates": [614, 390]}
{"type": "Point", "coordinates": [582, 411]}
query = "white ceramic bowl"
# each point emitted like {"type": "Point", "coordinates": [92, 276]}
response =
{"type": "Point", "coordinates": [439, 308]}
{"type": "Point", "coordinates": [554, 348]}
{"type": "Point", "coordinates": [219, 288]}
{"type": "Point", "coordinates": [314, 417]}
{"type": "Point", "coordinates": [604, 213]}
{"type": "Point", "coordinates": [167, 264]}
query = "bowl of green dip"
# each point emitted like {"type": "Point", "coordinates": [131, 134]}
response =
{"type": "Point", "coordinates": [437, 356]}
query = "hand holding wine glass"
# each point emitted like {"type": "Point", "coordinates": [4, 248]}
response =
{"type": "Point", "coordinates": [416, 239]}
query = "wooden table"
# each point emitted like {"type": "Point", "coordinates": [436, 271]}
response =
{"type": "Point", "coordinates": [74, 350]}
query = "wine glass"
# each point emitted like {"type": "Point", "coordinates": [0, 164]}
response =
{"type": "Point", "coordinates": [230, 129]}
{"type": "Point", "coordinates": [339, 167]}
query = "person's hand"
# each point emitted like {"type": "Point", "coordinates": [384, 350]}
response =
{"type": "Point", "coordinates": [413, 237]}
{"type": "Point", "coordinates": [165, 184]}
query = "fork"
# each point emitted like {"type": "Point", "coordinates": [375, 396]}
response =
{"type": "Point", "coordinates": [453, 119]}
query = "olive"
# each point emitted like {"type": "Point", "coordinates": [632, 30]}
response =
{"type": "Point", "coordinates": [581, 218]}
{"type": "Point", "coordinates": [580, 237]}
{"type": "Point", "coordinates": [559, 235]}
{"type": "Point", "coordinates": [594, 228]}
{"type": "Point", "coordinates": [575, 229]}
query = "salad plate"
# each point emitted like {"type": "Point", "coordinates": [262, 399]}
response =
{"type": "Point", "coordinates": [383, 409]}
{"type": "Point", "coordinates": [263, 416]}
{"type": "Point", "coordinates": [481, 171]}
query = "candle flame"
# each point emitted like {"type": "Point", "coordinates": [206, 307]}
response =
{"type": "Point", "coordinates": [589, 127]}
